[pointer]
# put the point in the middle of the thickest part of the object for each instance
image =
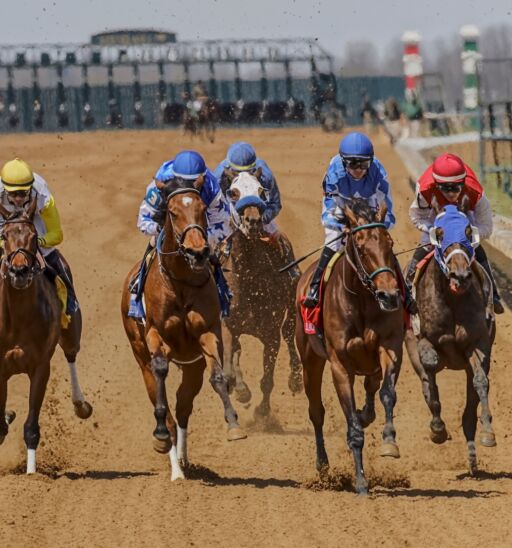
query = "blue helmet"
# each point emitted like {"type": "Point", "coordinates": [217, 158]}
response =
{"type": "Point", "coordinates": [241, 156]}
{"type": "Point", "coordinates": [356, 145]}
{"type": "Point", "coordinates": [189, 165]}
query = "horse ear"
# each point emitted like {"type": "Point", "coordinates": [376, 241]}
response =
{"type": "Point", "coordinates": [435, 205]}
{"type": "Point", "coordinates": [469, 233]}
{"type": "Point", "coordinates": [381, 213]}
{"type": "Point", "coordinates": [199, 182]}
{"type": "Point", "coordinates": [439, 234]}
{"type": "Point", "coordinates": [464, 204]}
{"type": "Point", "coordinates": [258, 173]}
{"type": "Point", "coordinates": [230, 174]}
{"type": "Point", "coordinates": [31, 207]}
{"type": "Point", "coordinates": [350, 215]}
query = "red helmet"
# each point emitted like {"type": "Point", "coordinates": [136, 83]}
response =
{"type": "Point", "coordinates": [448, 169]}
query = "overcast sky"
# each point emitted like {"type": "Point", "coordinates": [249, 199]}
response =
{"type": "Point", "coordinates": [333, 22]}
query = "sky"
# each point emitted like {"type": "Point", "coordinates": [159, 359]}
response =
{"type": "Point", "coordinates": [332, 22]}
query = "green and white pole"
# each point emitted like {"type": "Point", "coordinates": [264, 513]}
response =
{"type": "Point", "coordinates": [470, 57]}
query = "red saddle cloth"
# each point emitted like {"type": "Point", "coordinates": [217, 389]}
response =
{"type": "Point", "coordinates": [312, 317]}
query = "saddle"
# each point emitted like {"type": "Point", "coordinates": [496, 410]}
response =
{"type": "Point", "coordinates": [312, 317]}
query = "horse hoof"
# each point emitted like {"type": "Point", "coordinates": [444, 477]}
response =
{"type": "Point", "coordinates": [439, 437]}
{"type": "Point", "coordinates": [362, 488]}
{"type": "Point", "coordinates": [261, 411]}
{"type": "Point", "coordinates": [488, 439]}
{"type": "Point", "coordinates": [236, 433]}
{"type": "Point", "coordinates": [323, 470]}
{"type": "Point", "coordinates": [162, 446]}
{"type": "Point", "coordinates": [295, 384]}
{"type": "Point", "coordinates": [10, 416]}
{"type": "Point", "coordinates": [177, 474]}
{"type": "Point", "coordinates": [390, 449]}
{"type": "Point", "coordinates": [83, 409]}
{"type": "Point", "coordinates": [243, 394]}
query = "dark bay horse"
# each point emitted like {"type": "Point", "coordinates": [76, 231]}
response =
{"type": "Point", "coordinates": [30, 325]}
{"type": "Point", "coordinates": [204, 121]}
{"type": "Point", "coordinates": [182, 322]}
{"type": "Point", "coordinates": [457, 326]}
{"type": "Point", "coordinates": [363, 332]}
{"type": "Point", "coordinates": [263, 299]}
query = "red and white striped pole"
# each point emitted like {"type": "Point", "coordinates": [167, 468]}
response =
{"type": "Point", "coordinates": [413, 63]}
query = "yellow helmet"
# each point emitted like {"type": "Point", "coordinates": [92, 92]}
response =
{"type": "Point", "coordinates": [16, 175]}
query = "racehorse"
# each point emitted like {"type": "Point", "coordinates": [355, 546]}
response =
{"type": "Point", "coordinates": [457, 326]}
{"type": "Point", "coordinates": [202, 121]}
{"type": "Point", "coordinates": [363, 332]}
{"type": "Point", "coordinates": [263, 299]}
{"type": "Point", "coordinates": [30, 325]}
{"type": "Point", "coordinates": [182, 322]}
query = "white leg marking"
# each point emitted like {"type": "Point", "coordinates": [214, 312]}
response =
{"type": "Point", "coordinates": [31, 461]}
{"type": "Point", "coordinates": [176, 471]}
{"type": "Point", "coordinates": [182, 445]}
{"type": "Point", "coordinates": [76, 391]}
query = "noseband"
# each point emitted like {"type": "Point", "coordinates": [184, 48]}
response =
{"type": "Point", "coordinates": [34, 267]}
{"type": "Point", "coordinates": [367, 279]}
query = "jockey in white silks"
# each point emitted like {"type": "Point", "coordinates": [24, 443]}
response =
{"type": "Point", "coordinates": [187, 166]}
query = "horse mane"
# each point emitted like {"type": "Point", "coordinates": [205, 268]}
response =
{"type": "Point", "coordinates": [361, 208]}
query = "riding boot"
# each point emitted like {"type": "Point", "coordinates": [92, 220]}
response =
{"type": "Point", "coordinates": [136, 287]}
{"type": "Point", "coordinates": [313, 296]}
{"type": "Point", "coordinates": [409, 303]}
{"type": "Point", "coordinates": [225, 294]}
{"type": "Point", "coordinates": [55, 262]}
{"type": "Point", "coordinates": [419, 255]}
{"type": "Point", "coordinates": [481, 257]}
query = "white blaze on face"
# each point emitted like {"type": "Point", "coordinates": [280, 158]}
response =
{"type": "Point", "coordinates": [247, 184]}
{"type": "Point", "coordinates": [186, 201]}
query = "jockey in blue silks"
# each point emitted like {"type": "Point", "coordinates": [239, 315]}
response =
{"type": "Point", "coordinates": [187, 166]}
{"type": "Point", "coordinates": [353, 173]}
{"type": "Point", "coordinates": [240, 157]}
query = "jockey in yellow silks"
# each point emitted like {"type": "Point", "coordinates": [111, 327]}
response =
{"type": "Point", "coordinates": [18, 184]}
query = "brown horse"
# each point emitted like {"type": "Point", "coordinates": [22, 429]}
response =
{"type": "Point", "coordinates": [182, 322]}
{"type": "Point", "coordinates": [263, 299]}
{"type": "Point", "coordinates": [457, 328]}
{"type": "Point", "coordinates": [203, 122]}
{"type": "Point", "coordinates": [30, 325]}
{"type": "Point", "coordinates": [363, 331]}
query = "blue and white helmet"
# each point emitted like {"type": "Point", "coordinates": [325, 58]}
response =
{"type": "Point", "coordinates": [241, 156]}
{"type": "Point", "coordinates": [356, 145]}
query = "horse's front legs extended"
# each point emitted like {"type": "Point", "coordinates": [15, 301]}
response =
{"type": "Point", "coordinates": [163, 440]}
{"type": "Point", "coordinates": [295, 383]}
{"type": "Point", "coordinates": [367, 413]}
{"type": "Point", "coordinates": [270, 351]}
{"type": "Point", "coordinates": [232, 351]}
{"type": "Point", "coordinates": [211, 346]}
{"type": "Point", "coordinates": [480, 362]}
{"type": "Point", "coordinates": [430, 362]}
{"type": "Point", "coordinates": [31, 433]}
{"type": "Point", "coordinates": [390, 360]}
{"type": "Point", "coordinates": [344, 384]}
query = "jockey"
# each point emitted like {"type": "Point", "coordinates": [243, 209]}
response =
{"type": "Point", "coordinates": [18, 184]}
{"type": "Point", "coordinates": [449, 179]}
{"type": "Point", "coordinates": [187, 166]}
{"type": "Point", "coordinates": [353, 173]}
{"type": "Point", "coordinates": [241, 156]}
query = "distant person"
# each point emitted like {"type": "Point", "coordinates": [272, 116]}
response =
{"type": "Point", "coordinates": [392, 119]}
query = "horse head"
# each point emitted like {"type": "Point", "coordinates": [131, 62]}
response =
{"type": "Point", "coordinates": [186, 220]}
{"type": "Point", "coordinates": [454, 240]}
{"type": "Point", "coordinates": [19, 237]}
{"type": "Point", "coordinates": [246, 194]}
{"type": "Point", "coordinates": [370, 252]}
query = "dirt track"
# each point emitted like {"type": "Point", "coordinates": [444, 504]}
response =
{"type": "Point", "coordinates": [101, 483]}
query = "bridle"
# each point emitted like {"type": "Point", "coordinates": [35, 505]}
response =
{"type": "Point", "coordinates": [367, 279]}
{"type": "Point", "coordinates": [34, 268]}
{"type": "Point", "coordinates": [179, 237]}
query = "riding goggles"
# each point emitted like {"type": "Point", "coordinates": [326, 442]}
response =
{"type": "Point", "coordinates": [454, 187]}
{"type": "Point", "coordinates": [357, 163]}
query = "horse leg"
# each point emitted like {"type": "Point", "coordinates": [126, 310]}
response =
{"type": "Point", "coordinates": [31, 433]}
{"type": "Point", "coordinates": [344, 384]}
{"type": "Point", "coordinates": [313, 371]}
{"type": "Point", "coordinates": [295, 383]}
{"type": "Point", "coordinates": [211, 345]}
{"type": "Point", "coordinates": [70, 344]}
{"type": "Point", "coordinates": [480, 362]}
{"type": "Point", "coordinates": [367, 413]}
{"type": "Point", "coordinates": [232, 351]}
{"type": "Point", "coordinates": [160, 369]}
{"type": "Point", "coordinates": [430, 361]}
{"type": "Point", "coordinates": [469, 419]}
{"type": "Point", "coordinates": [390, 360]}
{"type": "Point", "coordinates": [270, 351]}
{"type": "Point", "coordinates": [191, 383]}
